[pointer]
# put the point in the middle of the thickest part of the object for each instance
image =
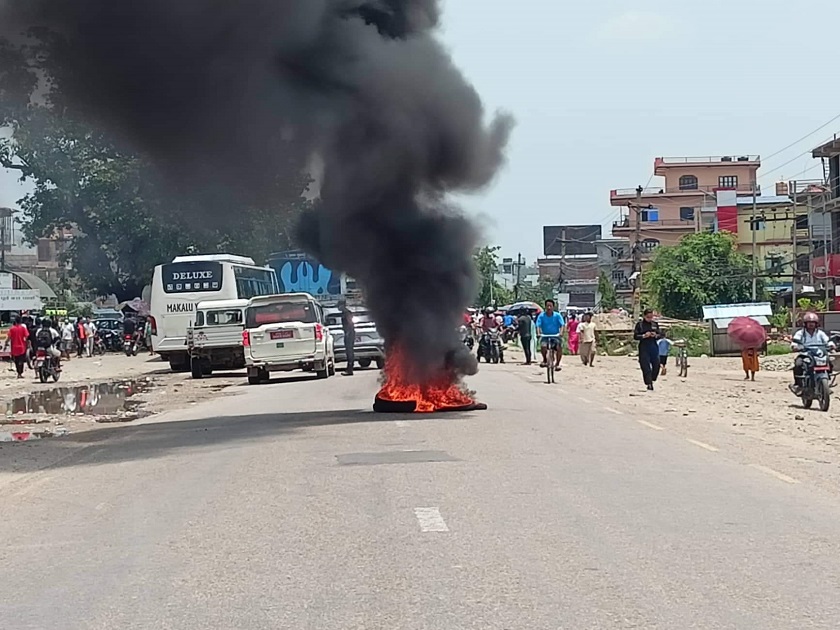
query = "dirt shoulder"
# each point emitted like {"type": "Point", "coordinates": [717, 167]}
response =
{"type": "Point", "coordinates": [757, 422]}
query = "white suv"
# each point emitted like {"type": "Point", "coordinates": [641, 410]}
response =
{"type": "Point", "coordinates": [286, 332]}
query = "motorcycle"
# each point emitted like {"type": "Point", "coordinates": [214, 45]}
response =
{"type": "Point", "coordinates": [490, 347]}
{"type": "Point", "coordinates": [510, 334]}
{"type": "Point", "coordinates": [817, 377]}
{"type": "Point", "coordinates": [45, 366]}
{"type": "Point", "coordinates": [130, 345]}
{"type": "Point", "coordinates": [467, 337]}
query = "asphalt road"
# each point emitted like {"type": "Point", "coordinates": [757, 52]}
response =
{"type": "Point", "coordinates": [293, 506]}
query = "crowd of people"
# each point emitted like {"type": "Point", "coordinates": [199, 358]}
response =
{"type": "Point", "coordinates": [60, 338]}
{"type": "Point", "coordinates": [548, 328]}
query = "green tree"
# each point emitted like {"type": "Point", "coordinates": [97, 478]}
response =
{"type": "Point", "coordinates": [702, 269]}
{"type": "Point", "coordinates": [609, 299]}
{"type": "Point", "coordinates": [544, 289]}
{"type": "Point", "coordinates": [490, 292]}
{"type": "Point", "coordinates": [125, 220]}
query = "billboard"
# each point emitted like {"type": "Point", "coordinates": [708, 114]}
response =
{"type": "Point", "coordinates": [299, 272]}
{"type": "Point", "coordinates": [578, 239]}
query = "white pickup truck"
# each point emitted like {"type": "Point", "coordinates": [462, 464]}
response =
{"type": "Point", "coordinates": [286, 332]}
{"type": "Point", "coordinates": [214, 341]}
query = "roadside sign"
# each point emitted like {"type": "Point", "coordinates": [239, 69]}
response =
{"type": "Point", "coordinates": [20, 300]}
{"type": "Point", "coordinates": [562, 300]}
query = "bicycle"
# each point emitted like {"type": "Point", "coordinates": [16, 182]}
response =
{"type": "Point", "coordinates": [682, 358]}
{"type": "Point", "coordinates": [551, 356]}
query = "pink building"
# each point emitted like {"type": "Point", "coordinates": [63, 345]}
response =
{"type": "Point", "coordinates": [687, 200]}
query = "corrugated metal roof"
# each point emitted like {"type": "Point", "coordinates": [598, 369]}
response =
{"type": "Point", "coordinates": [35, 282]}
{"type": "Point", "coordinates": [731, 311]}
{"type": "Point", "coordinates": [723, 323]}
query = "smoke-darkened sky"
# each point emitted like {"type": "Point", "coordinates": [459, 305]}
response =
{"type": "Point", "coordinates": [218, 95]}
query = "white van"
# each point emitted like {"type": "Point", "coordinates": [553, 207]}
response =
{"type": "Point", "coordinates": [286, 332]}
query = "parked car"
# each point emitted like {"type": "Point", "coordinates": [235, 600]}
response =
{"type": "Point", "coordinates": [369, 347]}
{"type": "Point", "coordinates": [286, 332]}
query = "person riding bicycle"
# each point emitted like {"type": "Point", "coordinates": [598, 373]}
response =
{"type": "Point", "coordinates": [809, 336]}
{"type": "Point", "coordinates": [550, 326]}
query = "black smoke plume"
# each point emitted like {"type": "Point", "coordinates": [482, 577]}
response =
{"type": "Point", "coordinates": [224, 96]}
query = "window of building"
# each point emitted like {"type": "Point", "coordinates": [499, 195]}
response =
{"type": "Point", "coordinates": [650, 214]}
{"type": "Point", "coordinates": [688, 182]}
{"type": "Point", "coordinates": [687, 214]}
{"type": "Point", "coordinates": [803, 263]}
{"type": "Point", "coordinates": [728, 181]}
{"type": "Point", "coordinates": [618, 275]}
{"type": "Point", "coordinates": [649, 244]}
{"type": "Point", "coordinates": [802, 222]}
{"type": "Point", "coordinates": [758, 223]}
{"type": "Point", "coordinates": [44, 250]}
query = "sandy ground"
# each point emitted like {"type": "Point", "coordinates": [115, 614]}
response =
{"type": "Point", "coordinates": [716, 406]}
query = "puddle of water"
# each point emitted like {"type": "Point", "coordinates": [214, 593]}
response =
{"type": "Point", "coordinates": [108, 402]}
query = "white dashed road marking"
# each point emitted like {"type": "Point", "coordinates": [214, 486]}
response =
{"type": "Point", "coordinates": [650, 425]}
{"type": "Point", "coordinates": [774, 473]}
{"type": "Point", "coordinates": [615, 411]}
{"type": "Point", "coordinates": [430, 519]}
{"type": "Point", "coordinates": [708, 447]}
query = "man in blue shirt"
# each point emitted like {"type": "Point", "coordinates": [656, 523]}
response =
{"type": "Point", "coordinates": [550, 322]}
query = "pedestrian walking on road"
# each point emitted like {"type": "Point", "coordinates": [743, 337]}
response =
{"type": "Point", "coordinates": [647, 333]}
{"type": "Point", "coordinates": [66, 339]}
{"type": "Point", "coordinates": [18, 340]}
{"type": "Point", "coordinates": [90, 336]}
{"type": "Point", "coordinates": [348, 326]}
{"type": "Point", "coordinates": [574, 338]}
{"type": "Point", "coordinates": [749, 361]}
{"type": "Point", "coordinates": [664, 345]}
{"type": "Point", "coordinates": [524, 323]}
{"type": "Point", "coordinates": [586, 332]}
{"type": "Point", "coordinates": [81, 337]}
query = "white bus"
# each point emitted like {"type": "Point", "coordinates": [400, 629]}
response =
{"type": "Point", "coordinates": [179, 286]}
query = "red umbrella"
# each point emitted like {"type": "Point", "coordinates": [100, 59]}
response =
{"type": "Point", "coordinates": [746, 332]}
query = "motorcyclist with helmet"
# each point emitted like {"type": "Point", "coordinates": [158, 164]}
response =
{"type": "Point", "coordinates": [809, 336]}
{"type": "Point", "coordinates": [489, 323]}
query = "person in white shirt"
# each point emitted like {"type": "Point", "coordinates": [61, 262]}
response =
{"type": "Point", "coordinates": [66, 339]}
{"type": "Point", "coordinates": [90, 334]}
{"type": "Point", "coordinates": [809, 336]}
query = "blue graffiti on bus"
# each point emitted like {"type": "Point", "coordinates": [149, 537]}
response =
{"type": "Point", "coordinates": [301, 276]}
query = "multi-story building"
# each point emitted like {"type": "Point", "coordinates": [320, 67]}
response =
{"type": "Point", "coordinates": [686, 201]}
{"type": "Point", "coordinates": [825, 264]}
{"type": "Point", "coordinates": [765, 233]}
{"type": "Point", "coordinates": [615, 262]}
{"type": "Point", "coordinates": [42, 260]}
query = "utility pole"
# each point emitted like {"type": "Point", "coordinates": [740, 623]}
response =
{"type": "Point", "coordinates": [637, 255]}
{"type": "Point", "coordinates": [754, 261]}
{"type": "Point", "coordinates": [793, 303]}
{"type": "Point", "coordinates": [519, 264]}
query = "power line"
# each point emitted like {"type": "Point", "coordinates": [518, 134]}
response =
{"type": "Point", "coordinates": [808, 135]}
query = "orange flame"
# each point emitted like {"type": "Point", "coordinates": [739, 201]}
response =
{"type": "Point", "coordinates": [435, 395]}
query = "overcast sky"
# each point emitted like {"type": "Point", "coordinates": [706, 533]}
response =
{"type": "Point", "coordinates": [601, 88]}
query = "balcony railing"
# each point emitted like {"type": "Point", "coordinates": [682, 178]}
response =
{"type": "Point", "coordinates": [662, 223]}
{"type": "Point", "coordinates": [654, 191]}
